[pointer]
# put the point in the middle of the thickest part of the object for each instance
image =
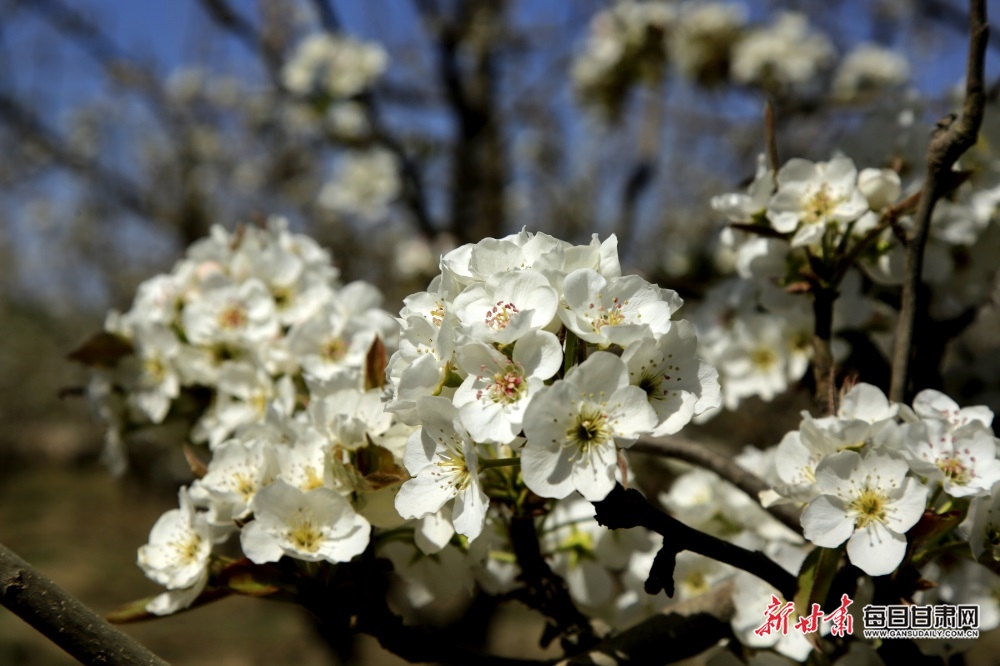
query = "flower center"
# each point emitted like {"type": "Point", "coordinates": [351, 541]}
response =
{"type": "Point", "coordinates": [154, 369]}
{"type": "Point", "coordinates": [589, 431]}
{"type": "Point", "coordinates": [233, 317]}
{"type": "Point", "coordinates": [455, 469]}
{"type": "Point", "coordinates": [305, 536]}
{"type": "Point", "coordinates": [955, 470]}
{"type": "Point", "coordinates": [763, 358]}
{"type": "Point", "coordinates": [334, 349]}
{"type": "Point", "coordinates": [245, 486]}
{"type": "Point", "coordinates": [506, 385]}
{"type": "Point", "coordinates": [819, 206]}
{"type": "Point", "coordinates": [437, 314]}
{"type": "Point", "coordinates": [282, 297]}
{"type": "Point", "coordinates": [610, 315]}
{"type": "Point", "coordinates": [869, 507]}
{"type": "Point", "coordinates": [500, 315]}
{"type": "Point", "coordinates": [650, 383]}
{"type": "Point", "coordinates": [189, 548]}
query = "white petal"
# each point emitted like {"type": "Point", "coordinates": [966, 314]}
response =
{"type": "Point", "coordinates": [426, 493]}
{"type": "Point", "coordinates": [876, 550]}
{"type": "Point", "coordinates": [258, 545]}
{"type": "Point", "coordinates": [826, 523]}
{"type": "Point", "coordinates": [469, 512]}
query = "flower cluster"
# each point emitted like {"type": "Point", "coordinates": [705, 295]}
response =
{"type": "Point", "coordinates": [532, 349]}
{"type": "Point", "coordinates": [815, 225]}
{"type": "Point", "coordinates": [866, 477]}
{"type": "Point", "coordinates": [528, 357]}
{"type": "Point", "coordinates": [252, 339]}
{"type": "Point", "coordinates": [867, 474]}
{"type": "Point", "coordinates": [364, 184]}
{"type": "Point", "coordinates": [783, 56]}
{"type": "Point", "coordinates": [627, 44]}
{"type": "Point", "coordinates": [710, 43]}
{"type": "Point", "coordinates": [333, 66]}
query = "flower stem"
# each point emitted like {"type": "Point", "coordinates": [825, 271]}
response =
{"type": "Point", "coordinates": [499, 462]}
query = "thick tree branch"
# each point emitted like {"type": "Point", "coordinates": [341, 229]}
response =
{"type": "Point", "coordinates": [628, 508]}
{"type": "Point", "coordinates": [949, 142]}
{"type": "Point", "coordinates": [65, 621]}
{"type": "Point", "coordinates": [704, 456]}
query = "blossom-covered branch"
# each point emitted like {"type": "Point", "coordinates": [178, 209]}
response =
{"type": "Point", "coordinates": [952, 138]}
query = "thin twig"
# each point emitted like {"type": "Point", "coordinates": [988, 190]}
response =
{"type": "Point", "coordinates": [772, 137]}
{"type": "Point", "coordinates": [86, 636]}
{"type": "Point", "coordinates": [949, 142]}
{"type": "Point", "coordinates": [698, 453]}
{"type": "Point", "coordinates": [824, 369]}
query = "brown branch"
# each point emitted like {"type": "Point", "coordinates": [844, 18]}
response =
{"type": "Point", "coordinates": [545, 591]}
{"type": "Point", "coordinates": [771, 136]}
{"type": "Point", "coordinates": [62, 619]}
{"type": "Point", "coordinates": [948, 143]}
{"type": "Point", "coordinates": [327, 15]}
{"type": "Point", "coordinates": [623, 509]}
{"type": "Point", "coordinates": [702, 455]}
{"type": "Point", "coordinates": [824, 369]}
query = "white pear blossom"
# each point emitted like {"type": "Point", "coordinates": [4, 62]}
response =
{"type": "Point", "coordinates": [869, 502]}
{"type": "Point", "coordinates": [814, 195]}
{"type": "Point", "coordinates": [745, 208]}
{"type": "Point", "coordinates": [784, 56]}
{"type": "Point", "coordinates": [444, 463]}
{"type": "Point", "coordinates": [964, 461]}
{"type": "Point", "coordinates": [364, 184]}
{"type": "Point", "coordinates": [881, 188]}
{"type": "Point", "coordinates": [931, 405]}
{"type": "Point", "coordinates": [678, 385]}
{"type": "Point", "coordinates": [177, 555]}
{"type": "Point", "coordinates": [492, 399]}
{"type": "Point", "coordinates": [869, 68]}
{"type": "Point", "coordinates": [311, 525]}
{"type": "Point", "coordinates": [506, 306]}
{"type": "Point", "coordinates": [616, 311]}
{"type": "Point", "coordinates": [334, 65]}
{"type": "Point", "coordinates": [231, 314]}
{"type": "Point", "coordinates": [239, 469]}
{"type": "Point", "coordinates": [152, 377]}
{"type": "Point", "coordinates": [572, 428]}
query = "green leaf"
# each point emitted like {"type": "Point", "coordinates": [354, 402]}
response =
{"type": "Point", "coordinates": [815, 578]}
{"type": "Point", "coordinates": [245, 578]}
{"type": "Point", "coordinates": [133, 611]}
